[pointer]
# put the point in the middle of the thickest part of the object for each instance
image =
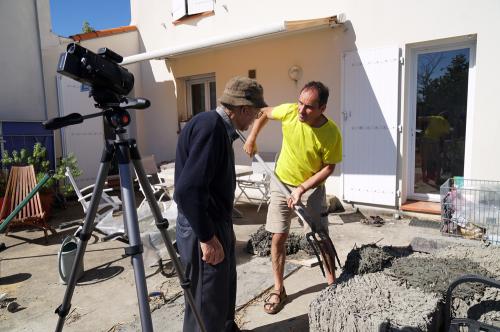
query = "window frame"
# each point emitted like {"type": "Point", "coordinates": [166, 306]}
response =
{"type": "Point", "coordinates": [184, 7]}
{"type": "Point", "coordinates": [413, 52]}
{"type": "Point", "coordinates": [199, 79]}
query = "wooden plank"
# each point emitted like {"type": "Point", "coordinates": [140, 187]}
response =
{"type": "Point", "coordinates": [7, 194]}
{"type": "Point", "coordinates": [35, 201]}
{"type": "Point", "coordinates": [22, 193]}
{"type": "Point", "coordinates": [311, 262]}
{"type": "Point", "coordinates": [31, 182]}
{"type": "Point", "coordinates": [422, 207]}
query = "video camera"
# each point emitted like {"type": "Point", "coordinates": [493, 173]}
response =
{"type": "Point", "coordinates": [109, 81]}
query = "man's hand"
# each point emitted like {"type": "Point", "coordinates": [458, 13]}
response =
{"type": "Point", "coordinates": [212, 251]}
{"type": "Point", "coordinates": [250, 147]}
{"type": "Point", "coordinates": [295, 196]}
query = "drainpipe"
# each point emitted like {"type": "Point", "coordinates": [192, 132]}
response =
{"type": "Point", "coordinates": [41, 59]}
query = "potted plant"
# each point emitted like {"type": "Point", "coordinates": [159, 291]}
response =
{"type": "Point", "coordinates": [38, 158]}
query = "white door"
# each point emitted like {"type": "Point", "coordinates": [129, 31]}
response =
{"type": "Point", "coordinates": [84, 140]}
{"type": "Point", "coordinates": [370, 125]}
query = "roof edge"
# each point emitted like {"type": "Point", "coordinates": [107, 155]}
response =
{"type": "Point", "coordinates": [103, 33]}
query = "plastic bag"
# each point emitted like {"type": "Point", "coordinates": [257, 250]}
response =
{"type": "Point", "coordinates": [109, 225]}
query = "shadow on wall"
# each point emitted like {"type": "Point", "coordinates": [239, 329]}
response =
{"type": "Point", "coordinates": [157, 125]}
{"type": "Point", "coordinates": [365, 125]}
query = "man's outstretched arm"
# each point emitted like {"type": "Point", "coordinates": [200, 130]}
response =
{"type": "Point", "coordinates": [250, 146]}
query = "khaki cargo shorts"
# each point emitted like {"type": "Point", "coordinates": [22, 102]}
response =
{"type": "Point", "coordinates": [279, 216]}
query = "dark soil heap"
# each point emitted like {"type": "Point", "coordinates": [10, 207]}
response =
{"type": "Point", "coordinates": [371, 258]}
{"type": "Point", "coordinates": [260, 243]}
{"type": "Point", "coordinates": [434, 275]}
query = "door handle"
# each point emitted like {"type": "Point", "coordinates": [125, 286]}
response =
{"type": "Point", "coordinates": [346, 115]}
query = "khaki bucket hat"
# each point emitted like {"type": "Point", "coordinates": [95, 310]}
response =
{"type": "Point", "coordinates": [243, 91]}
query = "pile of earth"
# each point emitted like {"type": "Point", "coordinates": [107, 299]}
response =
{"type": "Point", "coordinates": [260, 243]}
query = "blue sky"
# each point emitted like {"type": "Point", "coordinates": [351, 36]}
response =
{"type": "Point", "coordinates": [444, 57]}
{"type": "Point", "coordinates": [68, 15]}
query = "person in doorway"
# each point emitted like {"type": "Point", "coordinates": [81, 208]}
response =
{"type": "Point", "coordinates": [204, 193]}
{"type": "Point", "coordinates": [312, 146]}
{"type": "Point", "coordinates": [437, 128]}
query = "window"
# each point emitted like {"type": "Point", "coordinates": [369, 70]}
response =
{"type": "Point", "coordinates": [201, 94]}
{"type": "Point", "coordinates": [183, 8]}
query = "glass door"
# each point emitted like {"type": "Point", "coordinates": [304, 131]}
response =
{"type": "Point", "coordinates": [441, 85]}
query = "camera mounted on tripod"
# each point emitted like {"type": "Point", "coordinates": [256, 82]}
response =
{"type": "Point", "coordinates": [109, 83]}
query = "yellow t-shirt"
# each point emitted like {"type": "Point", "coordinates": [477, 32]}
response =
{"type": "Point", "coordinates": [437, 127]}
{"type": "Point", "coordinates": [305, 150]}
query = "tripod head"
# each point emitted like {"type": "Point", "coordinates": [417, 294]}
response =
{"type": "Point", "coordinates": [116, 114]}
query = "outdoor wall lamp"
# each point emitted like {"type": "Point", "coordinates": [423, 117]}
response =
{"type": "Point", "coordinates": [295, 73]}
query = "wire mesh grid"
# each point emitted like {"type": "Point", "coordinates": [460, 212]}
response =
{"type": "Point", "coordinates": [471, 209]}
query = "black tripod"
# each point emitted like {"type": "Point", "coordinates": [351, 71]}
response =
{"type": "Point", "coordinates": [126, 151]}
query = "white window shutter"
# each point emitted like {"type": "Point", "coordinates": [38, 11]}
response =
{"type": "Point", "coordinates": [370, 114]}
{"type": "Point", "coordinates": [200, 6]}
{"type": "Point", "coordinates": [178, 9]}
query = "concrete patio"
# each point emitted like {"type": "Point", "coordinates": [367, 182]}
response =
{"type": "Point", "coordinates": [105, 297]}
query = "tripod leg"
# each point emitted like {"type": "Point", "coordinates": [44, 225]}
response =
{"type": "Point", "coordinates": [162, 225]}
{"type": "Point", "coordinates": [85, 235]}
{"type": "Point", "coordinates": [132, 225]}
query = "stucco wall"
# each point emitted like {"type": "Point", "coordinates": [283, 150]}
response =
{"type": "Point", "coordinates": [370, 25]}
{"type": "Point", "coordinates": [267, 58]}
{"type": "Point", "coordinates": [21, 86]}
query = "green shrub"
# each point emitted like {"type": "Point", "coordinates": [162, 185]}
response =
{"type": "Point", "coordinates": [39, 159]}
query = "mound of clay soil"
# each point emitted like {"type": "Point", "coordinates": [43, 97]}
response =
{"type": "Point", "coordinates": [434, 275]}
{"type": "Point", "coordinates": [373, 302]}
{"type": "Point", "coordinates": [371, 258]}
{"type": "Point", "coordinates": [408, 295]}
{"type": "Point", "coordinates": [260, 243]}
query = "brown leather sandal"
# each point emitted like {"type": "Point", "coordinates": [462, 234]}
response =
{"type": "Point", "coordinates": [273, 308]}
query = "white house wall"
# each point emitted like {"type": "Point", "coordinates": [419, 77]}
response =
{"type": "Point", "coordinates": [271, 58]}
{"type": "Point", "coordinates": [21, 83]}
{"type": "Point", "coordinates": [370, 24]}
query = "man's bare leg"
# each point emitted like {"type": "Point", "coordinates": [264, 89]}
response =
{"type": "Point", "coordinates": [278, 257]}
{"type": "Point", "coordinates": [330, 274]}
{"type": "Point", "coordinates": [328, 260]}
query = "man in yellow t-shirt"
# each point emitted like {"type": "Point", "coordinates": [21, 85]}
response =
{"type": "Point", "coordinates": [431, 146]}
{"type": "Point", "coordinates": [312, 146]}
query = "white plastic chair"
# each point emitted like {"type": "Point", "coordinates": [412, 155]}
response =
{"type": "Point", "coordinates": [85, 194]}
{"type": "Point", "coordinates": [255, 187]}
{"type": "Point", "coordinates": [155, 180]}
{"type": "Point", "coordinates": [166, 183]}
